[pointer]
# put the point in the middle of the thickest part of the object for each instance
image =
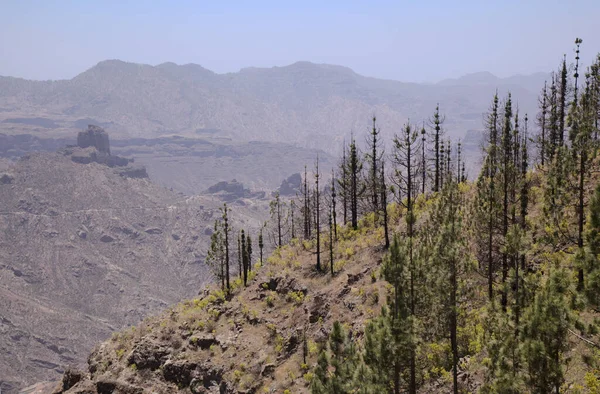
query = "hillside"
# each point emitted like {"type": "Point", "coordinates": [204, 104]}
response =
{"type": "Point", "coordinates": [84, 251]}
{"type": "Point", "coordinates": [310, 105]}
{"type": "Point", "coordinates": [253, 342]}
{"type": "Point", "coordinates": [191, 127]}
{"type": "Point", "coordinates": [189, 165]}
{"type": "Point", "coordinates": [268, 336]}
{"type": "Point", "coordinates": [490, 286]}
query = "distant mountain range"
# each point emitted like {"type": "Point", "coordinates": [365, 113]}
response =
{"type": "Point", "coordinates": [306, 104]}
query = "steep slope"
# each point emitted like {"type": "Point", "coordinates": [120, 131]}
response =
{"type": "Point", "coordinates": [253, 342]}
{"type": "Point", "coordinates": [268, 336]}
{"type": "Point", "coordinates": [85, 251]}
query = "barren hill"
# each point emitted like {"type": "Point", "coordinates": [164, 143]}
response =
{"type": "Point", "coordinates": [85, 251]}
{"type": "Point", "coordinates": [311, 105]}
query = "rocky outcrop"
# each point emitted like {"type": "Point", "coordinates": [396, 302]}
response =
{"type": "Point", "coordinates": [95, 137]}
{"type": "Point", "coordinates": [93, 147]}
{"type": "Point", "coordinates": [291, 186]}
{"type": "Point", "coordinates": [232, 191]}
{"type": "Point", "coordinates": [134, 171]}
{"type": "Point", "coordinates": [6, 179]}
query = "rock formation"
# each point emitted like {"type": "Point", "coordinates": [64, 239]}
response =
{"type": "Point", "coordinates": [93, 146]}
{"type": "Point", "coordinates": [232, 191]}
{"type": "Point", "coordinates": [95, 137]}
{"type": "Point", "coordinates": [291, 185]}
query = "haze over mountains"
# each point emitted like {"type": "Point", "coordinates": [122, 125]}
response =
{"type": "Point", "coordinates": [310, 105]}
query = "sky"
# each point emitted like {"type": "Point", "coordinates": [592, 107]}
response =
{"type": "Point", "coordinates": [411, 41]}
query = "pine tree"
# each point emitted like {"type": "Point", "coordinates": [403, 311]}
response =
{"type": "Point", "coordinates": [541, 120]}
{"type": "Point", "coordinates": [442, 164]}
{"type": "Point", "coordinates": [261, 244]}
{"type": "Point", "coordinates": [506, 185]}
{"type": "Point", "coordinates": [545, 330]}
{"type": "Point", "coordinates": [215, 256]}
{"type": "Point", "coordinates": [331, 243]}
{"type": "Point", "coordinates": [384, 207]}
{"type": "Point", "coordinates": [336, 365]}
{"type": "Point", "coordinates": [244, 257]}
{"type": "Point", "coordinates": [374, 158]}
{"type": "Point", "coordinates": [317, 214]}
{"type": "Point", "coordinates": [240, 255]}
{"type": "Point", "coordinates": [333, 204]}
{"type": "Point", "coordinates": [524, 198]}
{"type": "Point", "coordinates": [292, 225]}
{"type": "Point", "coordinates": [306, 212]}
{"type": "Point", "coordinates": [553, 120]}
{"type": "Point", "coordinates": [226, 231]}
{"type": "Point", "coordinates": [487, 191]}
{"type": "Point", "coordinates": [344, 184]}
{"type": "Point", "coordinates": [249, 252]}
{"type": "Point", "coordinates": [593, 245]}
{"type": "Point", "coordinates": [399, 272]}
{"type": "Point", "coordinates": [562, 103]}
{"type": "Point", "coordinates": [423, 159]}
{"type": "Point", "coordinates": [584, 116]}
{"type": "Point", "coordinates": [437, 122]}
{"type": "Point", "coordinates": [276, 208]}
{"type": "Point", "coordinates": [451, 259]}
{"type": "Point", "coordinates": [356, 187]}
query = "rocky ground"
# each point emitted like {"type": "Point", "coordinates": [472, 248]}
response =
{"type": "Point", "coordinates": [86, 250]}
{"type": "Point", "coordinates": [253, 343]}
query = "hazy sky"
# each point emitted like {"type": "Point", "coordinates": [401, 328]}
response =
{"type": "Point", "coordinates": [403, 40]}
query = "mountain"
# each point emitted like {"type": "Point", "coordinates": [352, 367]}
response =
{"type": "Point", "coordinates": [306, 104]}
{"type": "Point", "coordinates": [86, 250]}
{"type": "Point", "coordinates": [191, 127]}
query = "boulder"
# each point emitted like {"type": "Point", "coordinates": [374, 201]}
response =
{"type": "Point", "coordinates": [180, 372]}
{"type": "Point", "coordinates": [106, 238]}
{"type": "Point", "coordinates": [6, 179]}
{"type": "Point", "coordinates": [203, 341]}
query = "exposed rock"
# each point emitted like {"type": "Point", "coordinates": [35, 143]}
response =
{"type": "Point", "coordinates": [106, 238]}
{"type": "Point", "coordinates": [153, 230]}
{"type": "Point", "coordinates": [138, 172]}
{"type": "Point", "coordinates": [115, 387]}
{"type": "Point", "coordinates": [6, 179]}
{"type": "Point", "coordinates": [203, 341]}
{"type": "Point", "coordinates": [94, 136]}
{"type": "Point", "coordinates": [318, 308]}
{"type": "Point", "coordinates": [147, 355]}
{"type": "Point", "coordinates": [291, 185]}
{"type": "Point", "coordinates": [70, 378]}
{"type": "Point", "coordinates": [267, 370]}
{"type": "Point", "coordinates": [271, 284]}
{"type": "Point", "coordinates": [354, 278]}
{"type": "Point", "coordinates": [180, 372]}
{"type": "Point", "coordinates": [232, 191]}
{"type": "Point", "coordinates": [283, 285]}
